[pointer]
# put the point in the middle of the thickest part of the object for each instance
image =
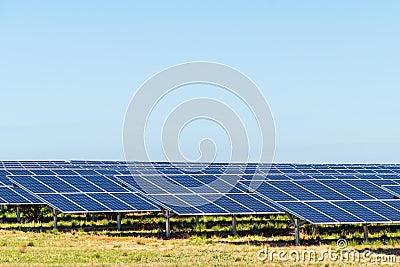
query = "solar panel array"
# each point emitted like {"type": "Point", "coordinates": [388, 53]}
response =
{"type": "Point", "coordinates": [57, 184]}
{"type": "Point", "coordinates": [317, 193]}
{"type": "Point", "coordinates": [334, 194]}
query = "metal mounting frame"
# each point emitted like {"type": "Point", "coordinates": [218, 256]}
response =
{"type": "Point", "coordinates": [55, 212]}
{"type": "Point", "coordinates": [167, 214]}
{"type": "Point", "coordinates": [297, 222]}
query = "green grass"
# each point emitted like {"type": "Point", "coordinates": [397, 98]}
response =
{"type": "Point", "coordinates": [79, 241]}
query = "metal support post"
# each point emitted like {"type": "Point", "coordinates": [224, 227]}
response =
{"type": "Point", "coordinates": [18, 214]}
{"type": "Point", "coordinates": [296, 232]}
{"type": "Point", "coordinates": [197, 221]}
{"type": "Point", "coordinates": [365, 226]}
{"type": "Point", "coordinates": [313, 229]}
{"type": "Point", "coordinates": [167, 224]}
{"type": "Point", "coordinates": [55, 213]}
{"type": "Point", "coordinates": [233, 225]}
{"type": "Point", "coordinates": [297, 223]}
{"type": "Point", "coordinates": [119, 221]}
{"type": "Point", "coordinates": [54, 219]}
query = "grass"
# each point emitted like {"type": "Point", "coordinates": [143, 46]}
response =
{"type": "Point", "coordinates": [82, 242]}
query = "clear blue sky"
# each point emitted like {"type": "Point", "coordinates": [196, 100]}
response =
{"type": "Point", "coordinates": [330, 71]}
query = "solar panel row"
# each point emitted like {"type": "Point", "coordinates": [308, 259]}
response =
{"type": "Point", "coordinates": [318, 193]}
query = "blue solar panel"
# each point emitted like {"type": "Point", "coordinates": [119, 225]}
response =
{"type": "Point", "coordinates": [32, 199]}
{"type": "Point", "coordinates": [191, 194]}
{"type": "Point", "coordinates": [177, 204]}
{"type": "Point", "coordinates": [361, 212]}
{"type": "Point", "coordinates": [232, 206]}
{"type": "Point", "coordinates": [187, 181]}
{"type": "Point", "coordinates": [56, 184]}
{"type": "Point", "coordinates": [302, 210]}
{"type": "Point", "coordinates": [367, 176]}
{"type": "Point", "coordinates": [394, 189]}
{"type": "Point", "coordinates": [207, 179]}
{"type": "Point", "coordinates": [20, 172]}
{"type": "Point", "coordinates": [298, 177]}
{"type": "Point", "coordinates": [212, 171]}
{"type": "Point", "coordinates": [42, 172]}
{"type": "Point", "coordinates": [211, 208]}
{"type": "Point", "coordinates": [382, 182]}
{"type": "Point", "coordinates": [169, 171]}
{"type": "Point", "coordinates": [108, 172]}
{"type": "Point", "coordinates": [105, 183]}
{"type": "Point", "coordinates": [195, 200]}
{"type": "Point", "coordinates": [310, 171]}
{"type": "Point", "coordinates": [383, 209]}
{"type": "Point", "coordinates": [335, 212]}
{"type": "Point", "coordinates": [273, 193]}
{"type": "Point", "coordinates": [16, 196]}
{"type": "Point", "coordinates": [344, 176]}
{"type": "Point", "coordinates": [255, 204]}
{"type": "Point", "coordinates": [76, 194]}
{"type": "Point", "coordinates": [138, 182]}
{"type": "Point", "coordinates": [389, 176]}
{"type": "Point", "coordinates": [185, 210]}
{"type": "Point", "coordinates": [64, 172]}
{"type": "Point", "coordinates": [393, 203]}
{"type": "Point", "coordinates": [138, 202]}
{"type": "Point", "coordinates": [86, 172]}
{"type": "Point", "coordinates": [321, 190]}
{"type": "Point", "coordinates": [346, 190]}
{"type": "Point", "coordinates": [370, 188]}
{"type": "Point", "coordinates": [4, 181]}
{"type": "Point", "coordinates": [4, 173]}
{"type": "Point", "coordinates": [347, 171]}
{"type": "Point", "coordinates": [329, 171]}
{"type": "Point", "coordinates": [111, 202]}
{"type": "Point", "coordinates": [294, 190]}
{"type": "Point", "coordinates": [89, 204]}
{"type": "Point", "coordinates": [81, 183]}
{"type": "Point", "coordinates": [63, 204]}
{"type": "Point", "coordinates": [31, 184]}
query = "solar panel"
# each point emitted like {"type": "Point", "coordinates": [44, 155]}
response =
{"type": "Point", "coordinates": [336, 212]}
{"type": "Point", "coordinates": [16, 196]}
{"type": "Point", "coordinates": [362, 212]}
{"type": "Point", "coordinates": [294, 190]}
{"type": "Point", "coordinates": [394, 189]}
{"type": "Point", "coordinates": [62, 203]}
{"type": "Point", "coordinates": [306, 212]}
{"type": "Point", "coordinates": [193, 196]}
{"type": "Point", "coordinates": [370, 188]}
{"type": "Point", "coordinates": [4, 181]}
{"type": "Point", "coordinates": [322, 190]}
{"type": "Point", "coordinates": [384, 209]}
{"type": "Point", "coordinates": [71, 194]}
{"type": "Point", "coordinates": [346, 189]}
